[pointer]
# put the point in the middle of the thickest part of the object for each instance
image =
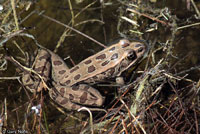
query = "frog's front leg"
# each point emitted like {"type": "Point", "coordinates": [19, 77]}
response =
{"type": "Point", "coordinates": [59, 68]}
{"type": "Point", "coordinates": [76, 96]}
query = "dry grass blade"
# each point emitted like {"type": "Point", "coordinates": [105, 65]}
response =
{"type": "Point", "coordinates": [147, 16]}
{"type": "Point", "coordinates": [113, 129]}
{"type": "Point", "coordinates": [91, 118]}
{"type": "Point", "coordinates": [187, 26]}
{"type": "Point", "coordinates": [9, 36]}
{"type": "Point", "coordinates": [195, 7]}
{"type": "Point", "coordinates": [124, 126]}
{"type": "Point", "coordinates": [15, 14]}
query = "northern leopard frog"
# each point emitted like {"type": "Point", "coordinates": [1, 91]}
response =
{"type": "Point", "coordinates": [70, 87]}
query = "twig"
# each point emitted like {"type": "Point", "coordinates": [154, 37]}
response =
{"type": "Point", "coordinates": [15, 14]}
{"type": "Point", "coordinates": [73, 29]}
{"type": "Point", "coordinates": [147, 16]}
{"type": "Point", "coordinates": [196, 121]}
{"type": "Point", "coordinates": [91, 118]}
{"type": "Point", "coordinates": [113, 129]}
{"type": "Point", "coordinates": [16, 33]}
{"type": "Point", "coordinates": [113, 117]}
{"type": "Point", "coordinates": [102, 19]}
{"type": "Point", "coordinates": [195, 7]}
{"type": "Point", "coordinates": [71, 9]}
{"type": "Point", "coordinates": [124, 126]}
{"type": "Point", "coordinates": [10, 78]}
{"type": "Point", "coordinates": [133, 115]}
{"type": "Point", "coordinates": [190, 25]}
{"type": "Point", "coordinates": [23, 68]}
{"type": "Point", "coordinates": [6, 17]}
{"type": "Point", "coordinates": [5, 113]}
{"type": "Point", "coordinates": [91, 20]}
{"type": "Point", "coordinates": [29, 15]}
{"type": "Point", "coordinates": [130, 21]}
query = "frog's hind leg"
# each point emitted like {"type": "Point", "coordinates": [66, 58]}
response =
{"type": "Point", "coordinates": [63, 101]}
{"type": "Point", "coordinates": [82, 95]}
{"type": "Point", "coordinates": [67, 103]}
{"type": "Point", "coordinates": [86, 95]}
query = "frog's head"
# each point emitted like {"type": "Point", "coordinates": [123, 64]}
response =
{"type": "Point", "coordinates": [133, 52]}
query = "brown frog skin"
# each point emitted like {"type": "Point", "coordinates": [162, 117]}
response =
{"type": "Point", "coordinates": [70, 87]}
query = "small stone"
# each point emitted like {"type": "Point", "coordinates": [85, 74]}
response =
{"type": "Point", "coordinates": [1, 7]}
{"type": "Point", "coordinates": [120, 80]}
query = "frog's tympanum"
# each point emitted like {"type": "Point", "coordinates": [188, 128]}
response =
{"type": "Point", "coordinates": [71, 88]}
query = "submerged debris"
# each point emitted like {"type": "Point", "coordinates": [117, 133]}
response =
{"type": "Point", "coordinates": [161, 95]}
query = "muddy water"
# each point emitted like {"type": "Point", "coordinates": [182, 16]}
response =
{"type": "Point", "coordinates": [186, 46]}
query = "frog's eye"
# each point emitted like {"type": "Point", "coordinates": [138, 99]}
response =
{"type": "Point", "coordinates": [131, 55]}
{"type": "Point", "coordinates": [138, 45]}
{"type": "Point", "coordinates": [140, 49]}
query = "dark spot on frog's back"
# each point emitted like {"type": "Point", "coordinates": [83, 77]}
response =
{"type": "Point", "coordinates": [74, 106]}
{"type": "Point", "coordinates": [105, 63]}
{"type": "Point", "coordinates": [62, 71]}
{"type": "Point", "coordinates": [67, 82]}
{"type": "Point", "coordinates": [62, 91]}
{"type": "Point", "coordinates": [57, 63]}
{"type": "Point", "coordinates": [91, 69]}
{"type": "Point", "coordinates": [64, 101]}
{"type": "Point", "coordinates": [83, 98]}
{"type": "Point", "coordinates": [88, 62]}
{"type": "Point", "coordinates": [74, 69]}
{"type": "Point", "coordinates": [101, 57]}
{"type": "Point", "coordinates": [71, 97]}
{"type": "Point", "coordinates": [114, 56]}
{"type": "Point", "coordinates": [77, 77]}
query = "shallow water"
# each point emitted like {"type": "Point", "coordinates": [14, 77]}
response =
{"type": "Point", "coordinates": [186, 47]}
